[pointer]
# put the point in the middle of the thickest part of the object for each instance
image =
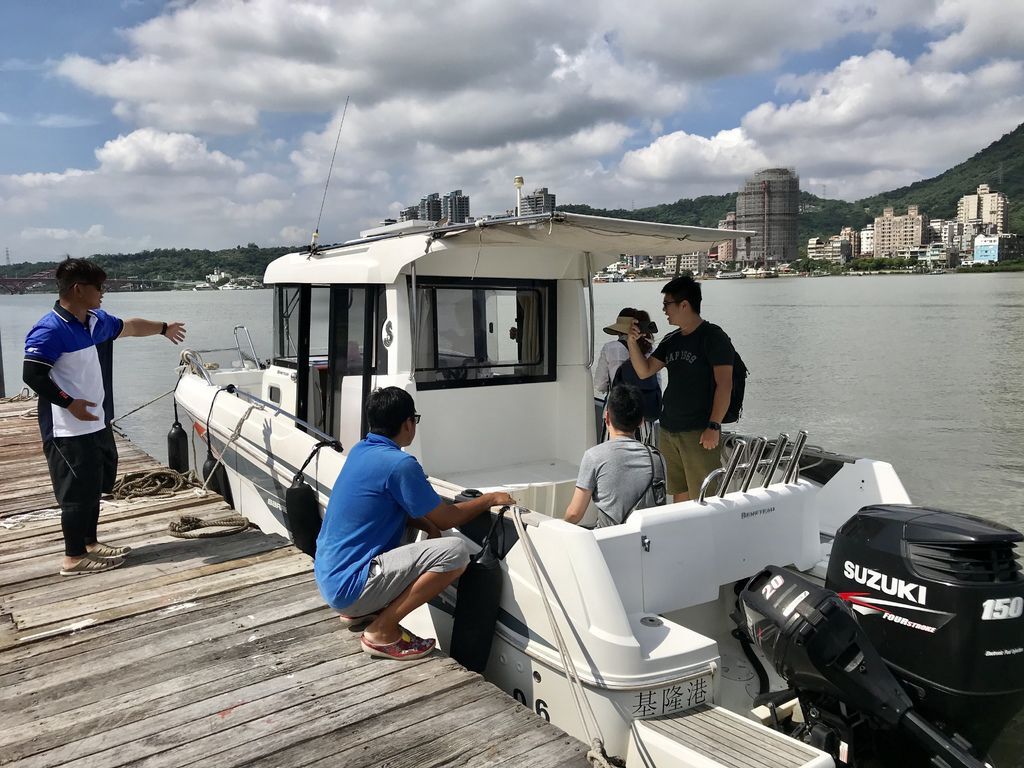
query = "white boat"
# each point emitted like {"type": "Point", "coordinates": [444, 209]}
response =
{"type": "Point", "coordinates": [738, 275]}
{"type": "Point", "coordinates": [624, 633]}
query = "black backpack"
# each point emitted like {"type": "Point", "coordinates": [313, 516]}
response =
{"type": "Point", "coordinates": [650, 389]}
{"type": "Point", "coordinates": [739, 385]}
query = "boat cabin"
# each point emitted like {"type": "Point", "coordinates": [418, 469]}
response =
{"type": "Point", "coordinates": [488, 325]}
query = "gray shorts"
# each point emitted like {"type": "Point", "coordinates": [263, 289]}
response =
{"type": "Point", "coordinates": [393, 571]}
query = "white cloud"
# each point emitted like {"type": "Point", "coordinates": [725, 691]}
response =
{"type": "Point", "coordinates": [151, 152]}
{"type": "Point", "coordinates": [231, 109]}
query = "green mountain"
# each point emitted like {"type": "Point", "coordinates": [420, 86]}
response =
{"type": "Point", "coordinates": [1000, 165]}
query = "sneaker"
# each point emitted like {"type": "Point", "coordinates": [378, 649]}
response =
{"type": "Point", "coordinates": [405, 648]}
{"type": "Point", "coordinates": [106, 550]}
{"type": "Point", "coordinates": [89, 564]}
{"type": "Point", "coordinates": [351, 622]}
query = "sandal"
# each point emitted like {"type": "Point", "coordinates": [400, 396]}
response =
{"type": "Point", "coordinates": [350, 622]}
{"type": "Point", "coordinates": [105, 550]}
{"type": "Point", "coordinates": [88, 565]}
{"type": "Point", "coordinates": [405, 648]}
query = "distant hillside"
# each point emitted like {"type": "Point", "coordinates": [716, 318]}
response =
{"type": "Point", "coordinates": [192, 264]}
{"type": "Point", "coordinates": [1000, 165]}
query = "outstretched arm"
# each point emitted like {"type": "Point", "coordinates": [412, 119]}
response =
{"type": "Point", "coordinates": [136, 326]}
{"type": "Point", "coordinates": [446, 515]}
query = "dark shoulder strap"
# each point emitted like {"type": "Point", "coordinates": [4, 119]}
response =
{"type": "Point", "coordinates": [643, 493]}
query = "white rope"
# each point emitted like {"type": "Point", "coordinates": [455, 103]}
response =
{"type": "Point", "coordinates": [158, 397]}
{"type": "Point", "coordinates": [234, 436]}
{"type": "Point", "coordinates": [14, 522]}
{"type": "Point", "coordinates": [596, 755]}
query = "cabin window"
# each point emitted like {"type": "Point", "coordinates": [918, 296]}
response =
{"type": "Point", "coordinates": [484, 332]}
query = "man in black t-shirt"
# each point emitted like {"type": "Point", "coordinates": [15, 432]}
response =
{"type": "Point", "coordinates": [699, 358]}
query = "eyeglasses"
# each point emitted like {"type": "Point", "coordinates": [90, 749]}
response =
{"type": "Point", "coordinates": [666, 304]}
{"type": "Point", "coordinates": [97, 286]}
{"type": "Point", "coordinates": [416, 418]}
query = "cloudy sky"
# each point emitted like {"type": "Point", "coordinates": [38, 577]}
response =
{"type": "Point", "coordinates": [132, 124]}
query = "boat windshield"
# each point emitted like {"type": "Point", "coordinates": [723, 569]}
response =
{"type": "Point", "coordinates": [484, 332]}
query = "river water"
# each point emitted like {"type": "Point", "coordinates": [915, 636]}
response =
{"type": "Point", "coordinates": [926, 372]}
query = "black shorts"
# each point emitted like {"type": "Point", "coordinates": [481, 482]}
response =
{"type": "Point", "coordinates": [82, 467]}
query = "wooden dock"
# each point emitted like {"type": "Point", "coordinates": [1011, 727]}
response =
{"type": "Point", "coordinates": [212, 652]}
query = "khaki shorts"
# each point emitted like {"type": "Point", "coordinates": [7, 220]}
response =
{"type": "Point", "coordinates": [392, 571]}
{"type": "Point", "coordinates": [687, 462]}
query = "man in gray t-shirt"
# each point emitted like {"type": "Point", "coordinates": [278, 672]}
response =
{"type": "Point", "coordinates": [618, 473]}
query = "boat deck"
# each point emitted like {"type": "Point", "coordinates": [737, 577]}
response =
{"type": "Point", "coordinates": [215, 651]}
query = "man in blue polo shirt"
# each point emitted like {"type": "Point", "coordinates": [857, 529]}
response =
{"type": "Point", "coordinates": [68, 363]}
{"type": "Point", "coordinates": [363, 570]}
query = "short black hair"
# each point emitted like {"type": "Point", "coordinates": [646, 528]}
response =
{"type": "Point", "coordinates": [387, 409]}
{"type": "Point", "coordinates": [684, 288]}
{"type": "Point", "coordinates": [70, 272]}
{"type": "Point", "coordinates": [625, 407]}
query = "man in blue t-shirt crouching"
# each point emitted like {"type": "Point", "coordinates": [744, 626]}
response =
{"type": "Point", "coordinates": [361, 566]}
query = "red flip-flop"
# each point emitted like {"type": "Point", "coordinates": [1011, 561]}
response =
{"type": "Point", "coordinates": [405, 648]}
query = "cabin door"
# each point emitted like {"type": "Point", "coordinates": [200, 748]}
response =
{"type": "Point", "coordinates": [356, 356]}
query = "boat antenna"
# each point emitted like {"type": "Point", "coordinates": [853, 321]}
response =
{"type": "Point", "coordinates": [316, 231]}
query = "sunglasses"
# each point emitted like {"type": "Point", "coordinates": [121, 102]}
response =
{"type": "Point", "coordinates": [416, 418]}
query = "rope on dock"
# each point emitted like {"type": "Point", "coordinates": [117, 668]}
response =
{"type": "Point", "coordinates": [153, 482]}
{"type": "Point", "coordinates": [190, 527]}
{"type": "Point", "coordinates": [21, 397]}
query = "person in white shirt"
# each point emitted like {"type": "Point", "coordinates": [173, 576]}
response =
{"type": "Point", "coordinates": [613, 354]}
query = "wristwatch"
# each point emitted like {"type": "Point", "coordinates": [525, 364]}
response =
{"type": "Point", "coordinates": [715, 426]}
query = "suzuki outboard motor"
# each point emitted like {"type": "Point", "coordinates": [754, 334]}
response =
{"type": "Point", "coordinates": [846, 691]}
{"type": "Point", "coordinates": [941, 596]}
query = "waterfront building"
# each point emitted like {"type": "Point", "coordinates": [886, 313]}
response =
{"type": "Point", "coordinates": [987, 206]}
{"type": "Point", "coordinates": [769, 203]}
{"type": "Point", "coordinates": [867, 241]}
{"type": "Point", "coordinates": [541, 201]}
{"type": "Point", "coordinates": [852, 236]}
{"type": "Point", "coordinates": [899, 234]}
{"type": "Point", "coordinates": [815, 248]}
{"type": "Point", "coordinates": [455, 207]}
{"type": "Point", "coordinates": [430, 207]}
{"type": "Point", "coordinates": [990, 249]}
{"type": "Point", "coordinates": [412, 213]}
{"type": "Point", "coordinates": [727, 250]}
{"type": "Point", "coordinates": [696, 262]}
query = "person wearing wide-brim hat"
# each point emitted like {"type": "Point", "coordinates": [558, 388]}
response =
{"type": "Point", "coordinates": [614, 353]}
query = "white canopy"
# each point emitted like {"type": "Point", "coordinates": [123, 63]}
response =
{"type": "Point", "coordinates": [551, 247]}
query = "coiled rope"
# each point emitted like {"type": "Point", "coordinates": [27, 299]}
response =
{"type": "Point", "coordinates": [190, 527]}
{"type": "Point", "coordinates": [21, 397]}
{"type": "Point", "coordinates": [153, 482]}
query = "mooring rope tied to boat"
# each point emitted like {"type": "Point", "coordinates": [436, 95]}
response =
{"type": "Point", "coordinates": [136, 410]}
{"type": "Point", "coordinates": [235, 433]}
{"type": "Point", "coordinates": [597, 755]}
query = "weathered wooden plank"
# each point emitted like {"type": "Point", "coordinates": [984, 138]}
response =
{"type": "Point", "coordinates": [135, 628]}
{"type": "Point", "coordinates": [241, 723]}
{"type": "Point", "coordinates": [201, 586]}
{"type": "Point", "coordinates": [165, 638]}
{"type": "Point", "coordinates": [263, 647]}
{"type": "Point", "coordinates": [317, 740]}
{"type": "Point", "coordinates": [154, 554]}
{"type": "Point", "coordinates": [178, 701]}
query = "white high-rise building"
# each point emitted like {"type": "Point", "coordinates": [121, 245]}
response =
{"type": "Point", "coordinates": [987, 206]}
